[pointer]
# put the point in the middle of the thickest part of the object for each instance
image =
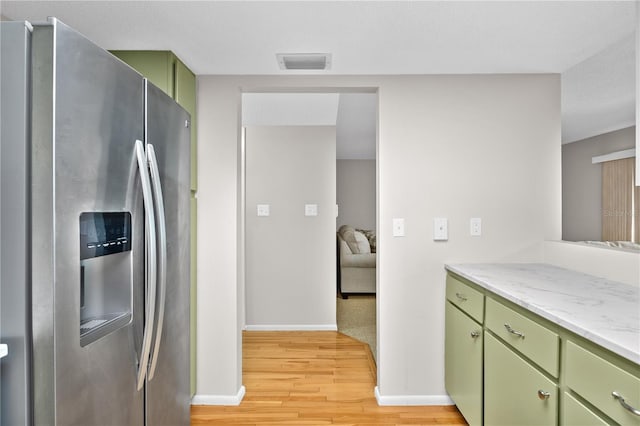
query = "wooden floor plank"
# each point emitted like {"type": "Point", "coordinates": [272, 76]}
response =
{"type": "Point", "coordinates": [313, 378]}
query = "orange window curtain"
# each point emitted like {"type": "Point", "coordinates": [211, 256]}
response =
{"type": "Point", "coordinates": [617, 199]}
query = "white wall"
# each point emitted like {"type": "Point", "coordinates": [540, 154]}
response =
{"type": "Point", "coordinates": [290, 109]}
{"type": "Point", "coordinates": [219, 310]}
{"type": "Point", "coordinates": [356, 193]}
{"type": "Point", "coordinates": [457, 146]}
{"type": "Point", "coordinates": [290, 257]}
{"type": "Point", "coordinates": [611, 263]}
{"type": "Point", "coordinates": [582, 183]}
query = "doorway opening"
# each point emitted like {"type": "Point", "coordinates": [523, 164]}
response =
{"type": "Point", "coordinates": [295, 199]}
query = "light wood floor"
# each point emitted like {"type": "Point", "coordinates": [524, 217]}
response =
{"type": "Point", "coordinates": [313, 378]}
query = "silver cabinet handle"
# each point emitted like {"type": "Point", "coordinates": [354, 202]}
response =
{"type": "Point", "coordinates": [151, 264]}
{"type": "Point", "coordinates": [543, 394]}
{"type": "Point", "coordinates": [461, 297]}
{"type": "Point", "coordinates": [475, 334]}
{"type": "Point", "coordinates": [624, 404]}
{"type": "Point", "coordinates": [512, 331]}
{"type": "Point", "coordinates": [162, 248]}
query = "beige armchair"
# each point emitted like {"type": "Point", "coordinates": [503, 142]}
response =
{"type": "Point", "coordinates": [357, 274]}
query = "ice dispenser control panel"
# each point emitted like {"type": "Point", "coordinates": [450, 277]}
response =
{"type": "Point", "coordinates": [104, 233]}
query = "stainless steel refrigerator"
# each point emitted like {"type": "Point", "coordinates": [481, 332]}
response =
{"type": "Point", "coordinates": [94, 191]}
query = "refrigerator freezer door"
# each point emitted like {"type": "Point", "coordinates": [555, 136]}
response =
{"type": "Point", "coordinates": [168, 395]}
{"type": "Point", "coordinates": [14, 243]}
{"type": "Point", "coordinates": [87, 115]}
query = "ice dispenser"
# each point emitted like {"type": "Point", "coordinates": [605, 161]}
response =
{"type": "Point", "coordinates": [105, 274]}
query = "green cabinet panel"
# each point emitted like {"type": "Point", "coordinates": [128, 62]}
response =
{"type": "Point", "coordinates": [576, 414]}
{"type": "Point", "coordinates": [185, 95]}
{"type": "Point", "coordinates": [595, 379]}
{"type": "Point", "coordinates": [156, 66]}
{"type": "Point", "coordinates": [534, 341]}
{"type": "Point", "coordinates": [466, 298]}
{"type": "Point", "coordinates": [512, 389]}
{"type": "Point", "coordinates": [463, 363]}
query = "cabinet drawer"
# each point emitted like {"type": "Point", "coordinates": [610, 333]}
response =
{"type": "Point", "coordinates": [595, 379]}
{"type": "Point", "coordinates": [528, 337]}
{"type": "Point", "coordinates": [576, 414]}
{"type": "Point", "coordinates": [469, 300]}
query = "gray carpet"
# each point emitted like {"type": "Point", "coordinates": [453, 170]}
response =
{"type": "Point", "coordinates": [356, 317]}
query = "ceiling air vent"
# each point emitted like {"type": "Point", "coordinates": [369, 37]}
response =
{"type": "Point", "coordinates": [304, 61]}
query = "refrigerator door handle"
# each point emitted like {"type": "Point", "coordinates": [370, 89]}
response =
{"type": "Point", "coordinates": [162, 259]}
{"type": "Point", "coordinates": [152, 266]}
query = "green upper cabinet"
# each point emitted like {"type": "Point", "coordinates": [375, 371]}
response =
{"type": "Point", "coordinates": [185, 95]}
{"type": "Point", "coordinates": [166, 71]}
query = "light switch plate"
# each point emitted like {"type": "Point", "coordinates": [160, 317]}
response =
{"type": "Point", "coordinates": [398, 227]}
{"type": "Point", "coordinates": [475, 226]}
{"type": "Point", "coordinates": [263, 209]}
{"type": "Point", "coordinates": [440, 229]}
{"type": "Point", "coordinates": [311, 210]}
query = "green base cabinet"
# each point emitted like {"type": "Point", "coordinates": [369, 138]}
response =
{"type": "Point", "coordinates": [602, 380]}
{"type": "Point", "coordinates": [523, 369]}
{"type": "Point", "coordinates": [463, 363]}
{"type": "Point", "coordinates": [165, 70]}
{"type": "Point", "coordinates": [515, 393]}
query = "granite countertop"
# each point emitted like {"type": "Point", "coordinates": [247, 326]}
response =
{"type": "Point", "coordinates": [603, 311]}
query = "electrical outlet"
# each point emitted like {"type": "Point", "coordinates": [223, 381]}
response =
{"type": "Point", "coordinates": [475, 226]}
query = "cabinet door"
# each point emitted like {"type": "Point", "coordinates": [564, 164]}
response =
{"type": "Point", "coordinates": [463, 363]}
{"type": "Point", "coordinates": [515, 393]}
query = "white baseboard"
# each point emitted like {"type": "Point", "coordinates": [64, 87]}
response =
{"type": "Point", "coordinates": [219, 399]}
{"type": "Point", "coordinates": [292, 327]}
{"type": "Point", "coordinates": [401, 400]}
